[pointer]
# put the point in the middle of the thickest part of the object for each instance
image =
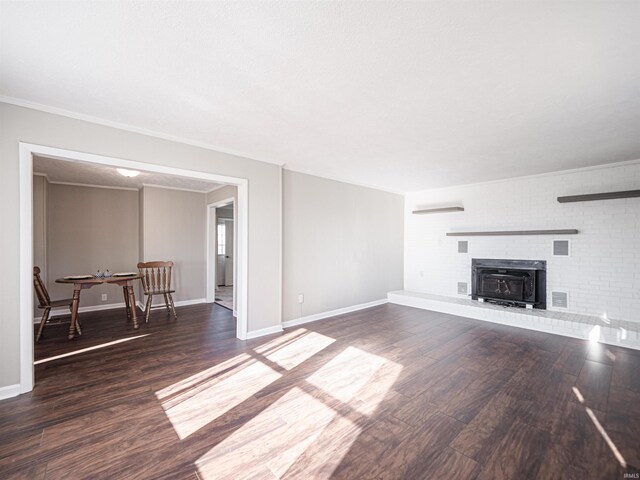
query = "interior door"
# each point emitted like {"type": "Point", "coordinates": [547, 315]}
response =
{"type": "Point", "coordinates": [228, 262]}
{"type": "Point", "coordinates": [221, 247]}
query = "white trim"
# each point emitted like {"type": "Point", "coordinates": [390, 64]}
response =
{"type": "Point", "coordinates": [264, 331]}
{"type": "Point", "coordinates": [59, 312]}
{"type": "Point", "coordinates": [26, 268]}
{"type": "Point", "coordinates": [568, 171]}
{"type": "Point", "coordinates": [26, 153]}
{"type": "Point", "coordinates": [89, 185]}
{"type": "Point", "coordinates": [332, 313]}
{"type": "Point", "coordinates": [129, 128]}
{"type": "Point", "coordinates": [241, 261]}
{"type": "Point", "coordinates": [153, 185]}
{"type": "Point", "coordinates": [10, 391]}
{"type": "Point", "coordinates": [211, 259]}
{"type": "Point", "coordinates": [45, 175]}
{"type": "Point", "coordinates": [180, 303]}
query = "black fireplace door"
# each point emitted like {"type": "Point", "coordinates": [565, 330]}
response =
{"type": "Point", "coordinates": [504, 286]}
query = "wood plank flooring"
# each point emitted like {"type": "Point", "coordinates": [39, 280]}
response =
{"type": "Point", "coordinates": [389, 392]}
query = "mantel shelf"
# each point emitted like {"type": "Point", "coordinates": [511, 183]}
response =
{"type": "Point", "coordinates": [513, 232]}
{"type": "Point", "coordinates": [424, 211]}
{"type": "Point", "coordinates": [592, 197]}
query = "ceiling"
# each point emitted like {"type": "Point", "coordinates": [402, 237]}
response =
{"type": "Point", "coordinates": [64, 171]}
{"type": "Point", "coordinates": [398, 95]}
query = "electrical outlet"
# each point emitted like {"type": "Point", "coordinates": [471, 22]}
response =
{"type": "Point", "coordinates": [301, 298]}
{"type": "Point", "coordinates": [104, 297]}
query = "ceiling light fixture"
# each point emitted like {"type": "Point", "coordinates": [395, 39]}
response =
{"type": "Point", "coordinates": [128, 173]}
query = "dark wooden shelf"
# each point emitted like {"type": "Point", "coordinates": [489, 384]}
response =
{"type": "Point", "coordinates": [424, 211]}
{"type": "Point", "coordinates": [513, 232]}
{"type": "Point", "coordinates": [592, 197]}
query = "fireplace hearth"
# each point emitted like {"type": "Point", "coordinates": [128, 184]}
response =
{"type": "Point", "coordinates": [518, 283]}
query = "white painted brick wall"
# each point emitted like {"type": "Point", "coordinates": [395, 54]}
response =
{"type": "Point", "coordinates": [602, 273]}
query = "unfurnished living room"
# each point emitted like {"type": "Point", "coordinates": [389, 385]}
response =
{"type": "Point", "coordinates": [319, 239]}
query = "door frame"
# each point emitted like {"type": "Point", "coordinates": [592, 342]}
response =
{"type": "Point", "coordinates": [26, 153]}
{"type": "Point", "coordinates": [212, 246]}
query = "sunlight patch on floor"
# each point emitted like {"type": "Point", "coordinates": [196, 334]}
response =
{"type": "Point", "coordinates": [268, 445]}
{"type": "Point", "coordinates": [291, 354]}
{"type": "Point", "coordinates": [607, 439]}
{"type": "Point", "coordinates": [283, 440]}
{"type": "Point", "coordinates": [346, 373]}
{"type": "Point", "coordinates": [601, 430]}
{"type": "Point", "coordinates": [89, 349]}
{"type": "Point", "coordinates": [228, 366]}
{"type": "Point", "coordinates": [188, 412]}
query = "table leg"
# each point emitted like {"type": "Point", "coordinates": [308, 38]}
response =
{"type": "Point", "coordinates": [74, 310]}
{"type": "Point", "coordinates": [125, 291]}
{"type": "Point", "coordinates": [132, 306]}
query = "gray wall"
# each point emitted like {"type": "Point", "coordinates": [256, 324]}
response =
{"type": "Point", "coordinates": [90, 229]}
{"type": "Point", "coordinates": [18, 124]}
{"type": "Point", "coordinates": [174, 228]}
{"type": "Point", "coordinates": [229, 191]}
{"type": "Point", "coordinates": [343, 244]}
{"type": "Point", "coordinates": [40, 194]}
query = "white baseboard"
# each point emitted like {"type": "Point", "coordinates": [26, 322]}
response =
{"type": "Point", "coordinates": [181, 303]}
{"type": "Point", "coordinates": [93, 308]}
{"type": "Point", "coordinates": [264, 331]}
{"type": "Point", "coordinates": [332, 313]}
{"type": "Point", "coordinates": [110, 306]}
{"type": "Point", "coordinates": [9, 391]}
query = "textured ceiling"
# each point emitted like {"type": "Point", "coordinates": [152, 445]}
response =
{"type": "Point", "coordinates": [399, 95]}
{"type": "Point", "coordinates": [102, 175]}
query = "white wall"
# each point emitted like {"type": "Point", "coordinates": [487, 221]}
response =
{"type": "Point", "coordinates": [601, 275]}
{"type": "Point", "coordinates": [174, 228]}
{"type": "Point", "coordinates": [19, 124]}
{"type": "Point", "coordinates": [342, 244]}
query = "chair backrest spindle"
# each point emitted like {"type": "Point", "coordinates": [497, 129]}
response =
{"type": "Point", "coordinates": [156, 276]}
{"type": "Point", "coordinates": [41, 290]}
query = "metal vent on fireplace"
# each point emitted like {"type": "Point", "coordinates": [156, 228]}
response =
{"type": "Point", "coordinates": [463, 246]}
{"type": "Point", "coordinates": [561, 248]}
{"type": "Point", "coordinates": [559, 299]}
{"type": "Point", "coordinates": [462, 288]}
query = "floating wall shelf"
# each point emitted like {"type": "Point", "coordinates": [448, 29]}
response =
{"type": "Point", "coordinates": [591, 197]}
{"type": "Point", "coordinates": [424, 211]}
{"type": "Point", "coordinates": [513, 232]}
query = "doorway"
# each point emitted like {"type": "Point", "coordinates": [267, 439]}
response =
{"type": "Point", "coordinates": [26, 154]}
{"type": "Point", "coordinates": [221, 250]}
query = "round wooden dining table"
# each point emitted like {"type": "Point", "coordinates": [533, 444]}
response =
{"type": "Point", "coordinates": [79, 284]}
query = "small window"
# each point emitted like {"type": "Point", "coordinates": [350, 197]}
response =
{"type": "Point", "coordinates": [222, 234]}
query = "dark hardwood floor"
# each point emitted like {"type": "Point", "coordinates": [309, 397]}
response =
{"type": "Point", "coordinates": [388, 392]}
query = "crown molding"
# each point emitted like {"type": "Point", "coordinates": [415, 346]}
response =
{"type": "Point", "coordinates": [73, 184]}
{"type": "Point", "coordinates": [19, 102]}
{"type": "Point", "coordinates": [218, 187]}
{"type": "Point", "coordinates": [153, 185]}
{"type": "Point", "coordinates": [569, 171]}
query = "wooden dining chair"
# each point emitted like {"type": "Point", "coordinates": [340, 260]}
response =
{"type": "Point", "coordinates": [156, 280]}
{"type": "Point", "coordinates": [46, 303]}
